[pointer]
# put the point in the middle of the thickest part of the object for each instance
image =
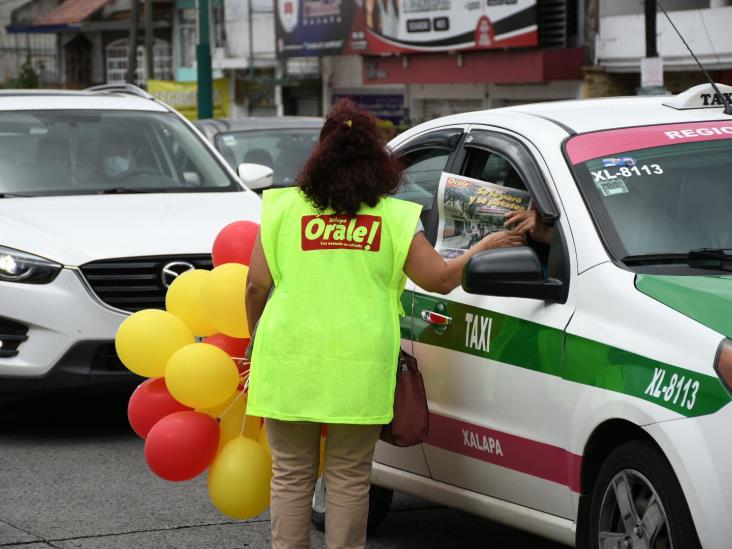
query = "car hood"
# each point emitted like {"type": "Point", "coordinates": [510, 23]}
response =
{"type": "Point", "coordinates": [706, 299]}
{"type": "Point", "coordinates": [73, 230]}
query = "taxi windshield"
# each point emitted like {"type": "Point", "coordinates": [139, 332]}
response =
{"type": "Point", "coordinates": [668, 201]}
{"type": "Point", "coordinates": [57, 152]}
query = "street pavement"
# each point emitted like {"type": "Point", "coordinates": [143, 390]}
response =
{"type": "Point", "coordinates": [73, 476]}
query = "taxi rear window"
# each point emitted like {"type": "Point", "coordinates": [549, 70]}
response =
{"type": "Point", "coordinates": [659, 195]}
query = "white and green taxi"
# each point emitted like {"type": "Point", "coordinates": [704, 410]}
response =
{"type": "Point", "coordinates": [581, 390]}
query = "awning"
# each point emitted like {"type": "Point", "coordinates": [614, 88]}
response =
{"type": "Point", "coordinates": [70, 12]}
{"type": "Point", "coordinates": [67, 15]}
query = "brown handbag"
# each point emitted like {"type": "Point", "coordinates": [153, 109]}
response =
{"type": "Point", "coordinates": [411, 421]}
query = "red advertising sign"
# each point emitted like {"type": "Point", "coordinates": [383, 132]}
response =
{"type": "Point", "coordinates": [330, 27]}
{"type": "Point", "coordinates": [329, 232]}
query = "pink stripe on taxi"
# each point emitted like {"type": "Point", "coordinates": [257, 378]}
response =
{"type": "Point", "coordinates": [519, 454]}
{"type": "Point", "coordinates": [587, 146]}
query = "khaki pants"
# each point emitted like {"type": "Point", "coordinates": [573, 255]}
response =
{"type": "Point", "coordinates": [295, 455]}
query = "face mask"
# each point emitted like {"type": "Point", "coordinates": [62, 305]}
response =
{"type": "Point", "coordinates": [115, 165]}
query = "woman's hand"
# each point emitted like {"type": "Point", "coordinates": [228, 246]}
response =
{"type": "Point", "coordinates": [502, 239]}
{"type": "Point", "coordinates": [528, 222]}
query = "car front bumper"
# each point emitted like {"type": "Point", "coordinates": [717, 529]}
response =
{"type": "Point", "coordinates": [700, 451]}
{"type": "Point", "coordinates": [69, 340]}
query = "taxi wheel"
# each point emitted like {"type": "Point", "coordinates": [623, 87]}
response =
{"type": "Point", "coordinates": [379, 505]}
{"type": "Point", "coordinates": [637, 502]}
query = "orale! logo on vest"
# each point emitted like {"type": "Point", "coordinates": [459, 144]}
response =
{"type": "Point", "coordinates": [328, 232]}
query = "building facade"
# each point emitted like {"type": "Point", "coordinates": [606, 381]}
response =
{"type": "Point", "coordinates": [620, 45]}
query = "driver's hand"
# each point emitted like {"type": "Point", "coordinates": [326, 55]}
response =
{"type": "Point", "coordinates": [527, 222]}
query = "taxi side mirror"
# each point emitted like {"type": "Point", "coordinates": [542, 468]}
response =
{"type": "Point", "coordinates": [510, 272]}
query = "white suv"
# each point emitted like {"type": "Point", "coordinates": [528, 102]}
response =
{"type": "Point", "coordinates": [105, 197]}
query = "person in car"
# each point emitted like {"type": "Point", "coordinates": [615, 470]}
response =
{"type": "Point", "coordinates": [528, 222]}
{"type": "Point", "coordinates": [337, 249]}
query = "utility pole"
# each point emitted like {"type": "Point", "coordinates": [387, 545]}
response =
{"type": "Point", "coordinates": [149, 40]}
{"type": "Point", "coordinates": [651, 66]}
{"type": "Point", "coordinates": [132, 44]}
{"type": "Point", "coordinates": [651, 48]}
{"type": "Point", "coordinates": [203, 59]}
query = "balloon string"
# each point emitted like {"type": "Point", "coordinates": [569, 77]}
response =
{"type": "Point", "coordinates": [231, 404]}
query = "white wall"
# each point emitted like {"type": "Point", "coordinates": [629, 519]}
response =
{"type": "Point", "coordinates": [621, 40]}
{"type": "Point", "coordinates": [236, 15]}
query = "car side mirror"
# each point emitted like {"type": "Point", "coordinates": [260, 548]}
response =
{"type": "Point", "coordinates": [510, 272]}
{"type": "Point", "coordinates": [255, 176]}
{"type": "Point", "coordinates": [192, 178]}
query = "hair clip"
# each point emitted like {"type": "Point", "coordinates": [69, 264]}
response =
{"type": "Point", "coordinates": [348, 123]}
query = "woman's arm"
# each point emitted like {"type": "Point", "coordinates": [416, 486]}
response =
{"type": "Point", "coordinates": [435, 274]}
{"type": "Point", "coordinates": [259, 284]}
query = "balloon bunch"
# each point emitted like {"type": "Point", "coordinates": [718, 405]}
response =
{"type": "Point", "coordinates": [192, 411]}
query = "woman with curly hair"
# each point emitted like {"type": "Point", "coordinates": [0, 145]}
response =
{"type": "Point", "coordinates": [337, 248]}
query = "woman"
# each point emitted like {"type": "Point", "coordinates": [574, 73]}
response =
{"type": "Point", "coordinates": [336, 248]}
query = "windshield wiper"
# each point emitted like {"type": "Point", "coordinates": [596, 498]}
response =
{"type": "Point", "coordinates": [712, 258]}
{"type": "Point", "coordinates": [15, 195]}
{"type": "Point", "coordinates": [711, 253]}
{"type": "Point", "coordinates": [129, 190]}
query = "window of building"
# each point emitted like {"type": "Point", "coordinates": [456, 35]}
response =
{"type": "Point", "coordinates": [116, 61]}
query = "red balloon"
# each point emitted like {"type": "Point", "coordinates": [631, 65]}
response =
{"type": "Point", "coordinates": [182, 445]}
{"type": "Point", "coordinates": [150, 403]}
{"type": "Point", "coordinates": [235, 242]}
{"type": "Point", "coordinates": [234, 346]}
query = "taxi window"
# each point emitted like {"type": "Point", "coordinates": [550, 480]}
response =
{"type": "Point", "coordinates": [491, 167]}
{"type": "Point", "coordinates": [494, 168]}
{"type": "Point", "coordinates": [421, 177]}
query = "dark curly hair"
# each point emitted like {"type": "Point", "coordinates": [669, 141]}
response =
{"type": "Point", "coordinates": [350, 166]}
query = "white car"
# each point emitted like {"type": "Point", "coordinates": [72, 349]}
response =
{"type": "Point", "coordinates": [105, 197]}
{"type": "Point", "coordinates": [584, 396]}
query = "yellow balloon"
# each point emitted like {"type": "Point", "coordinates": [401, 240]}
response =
{"type": "Point", "coordinates": [223, 295]}
{"type": "Point", "coordinates": [264, 441]}
{"type": "Point", "coordinates": [183, 299]}
{"type": "Point", "coordinates": [201, 376]}
{"type": "Point", "coordinates": [231, 417]}
{"type": "Point", "coordinates": [238, 479]}
{"type": "Point", "coordinates": [252, 425]}
{"type": "Point", "coordinates": [147, 339]}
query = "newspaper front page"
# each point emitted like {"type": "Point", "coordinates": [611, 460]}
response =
{"type": "Point", "coordinates": [471, 209]}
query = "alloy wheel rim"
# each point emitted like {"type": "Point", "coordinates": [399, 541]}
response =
{"type": "Point", "coordinates": [632, 515]}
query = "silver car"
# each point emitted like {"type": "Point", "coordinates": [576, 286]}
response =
{"type": "Point", "coordinates": [280, 144]}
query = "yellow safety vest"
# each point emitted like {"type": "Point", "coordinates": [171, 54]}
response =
{"type": "Point", "coordinates": [326, 346]}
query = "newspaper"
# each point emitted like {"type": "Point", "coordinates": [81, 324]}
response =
{"type": "Point", "coordinates": [471, 209]}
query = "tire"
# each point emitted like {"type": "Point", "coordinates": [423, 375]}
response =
{"type": "Point", "coordinates": [657, 515]}
{"type": "Point", "coordinates": [379, 505]}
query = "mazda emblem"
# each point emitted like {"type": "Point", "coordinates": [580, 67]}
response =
{"type": "Point", "coordinates": [173, 270]}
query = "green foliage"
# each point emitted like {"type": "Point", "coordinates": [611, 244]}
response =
{"type": "Point", "coordinates": [27, 78]}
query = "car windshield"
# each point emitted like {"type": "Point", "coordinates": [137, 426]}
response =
{"type": "Point", "coordinates": [53, 152]}
{"type": "Point", "coordinates": [285, 150]}
{"type": "Point", "coordinates": [670, 193]}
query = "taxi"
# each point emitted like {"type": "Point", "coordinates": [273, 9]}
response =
{"type": "Point", "coordinates": [581, 390]}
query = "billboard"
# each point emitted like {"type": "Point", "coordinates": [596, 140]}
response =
{"type": "Point", "coordinates": [183, 96]}
{"type": "Point", "coordinates": [330, 27]}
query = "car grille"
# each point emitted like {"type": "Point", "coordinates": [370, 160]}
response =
{"type": "Point", "coordinates": [12, 334]}
{"type": "Point", "coordinates": [136, 283]}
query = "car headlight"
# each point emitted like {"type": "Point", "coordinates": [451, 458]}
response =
{"type": "Point", "coordinates": [723, 363]}
{"type": "Point", "coordinates": [17, 266]}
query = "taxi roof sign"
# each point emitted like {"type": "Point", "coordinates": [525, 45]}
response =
{"type": "Point", "coordinates": [702, 96]}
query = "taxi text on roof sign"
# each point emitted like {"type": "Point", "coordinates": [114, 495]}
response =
{"type": "Point", "coordinates": [700, 97]}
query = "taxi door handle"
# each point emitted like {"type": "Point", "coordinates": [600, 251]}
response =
{"type": "Point", "coordinates": [436, 319]}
